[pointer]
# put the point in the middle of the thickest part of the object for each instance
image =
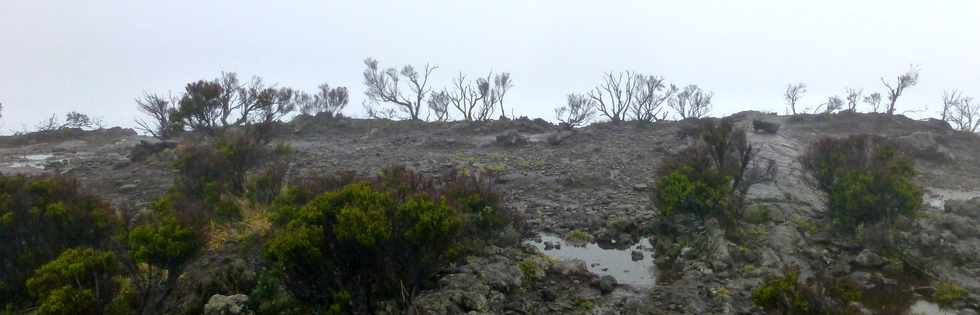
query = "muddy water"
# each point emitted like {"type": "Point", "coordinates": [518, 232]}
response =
{"type": "Point", "coordinates": [928, 308]}
{"type": "Point", "coordinates": [616, 262]}
{"type": "Point", "coordinates": [937, 197]}
{"type": "Point", "coordinates": [26, 164]}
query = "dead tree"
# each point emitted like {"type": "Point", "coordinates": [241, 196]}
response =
{"type": "Point", "coordinates": [383, 87]}
{"type": "Point", "coordinates": [615, 94]}
{"type": "Point", "coordinates": [439, 105]}
{"type": "Point", "coordinates": [159, 109]}
{"type": "Point", "coordinates": [578, 111]}
{"type": "Point", "coordinates": [853, 96]}
{"type": "Point", "coordinates": [964, 114]}
{"type": "Point", "coordinates": [793, 94]}
{"type": "Point", "coordinates": [834, 103]}
{"type": "Point", "coordinates": [651, 94]}
{"type": "Point", "coordinates": [950, 99]}
{"type": "Point", "coordinates": [327, 100]}
{"type": "Point", "coordinates": [896, 88]}
{"type": "Point", "coordinates": [501, 84]}
{"type": "Point", "coordinates": [874, 101]}
{"type": "Point", "coordinates": [467, 97]}
{"type": "Point", "coordinates": [692, 102]}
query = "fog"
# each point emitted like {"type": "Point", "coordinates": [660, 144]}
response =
{"type": "Point", "coordinates": [97, 56]}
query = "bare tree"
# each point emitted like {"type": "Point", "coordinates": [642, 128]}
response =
{"type": "Point", "coordinates": [271, 104]}
{"type": "Point", "coordinates": [834, 103]}
{"type": "Point", "coordinates": [330, 101]}
{"type": "Point", "coordinates": [501, 84]}
{"type": "Point", "coordinates": [439, 105]}
{"type": "Point", "coordinates": [792, 95]}
{"type": "Point", "coordinates": [50, 124]}
{"type": "Point", "coordinates": [896, 88]}
{"type": "Point", "coordinates": [376, 112]}
{"type": "Point", "coordinates": [692, 102]}
{"type": "Point", "coordinates": [950, 99]}
{"type": "Point", "coordinates": [578, 111]}
{"type": "Point", "coordinates": [853, 96]}
{"type": "Point", "coordinates": [159, 109]}
{"type": "Point", "coordinates": [652, 92]}
{"type": "Point", "coordinates": [874, 101]}
{"type": "Point", "coordinates": [383, 87]}
{"type": "Point", "coordinates": [75, 119]}
{"type": "Point", "coordinates": [615, 94]}
{"type": "Point", "coordinates": [964, 114]}
{"type": "Point", "coordinates": [467, 97]}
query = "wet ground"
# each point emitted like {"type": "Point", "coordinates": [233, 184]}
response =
{"type": "Point", "coordinates": [631, 265]}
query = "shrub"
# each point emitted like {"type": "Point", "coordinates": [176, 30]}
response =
{"type": "Point", "coordinates": [765, 126]}
{"type": "Point", "coordinates": [377, 238]}
{"type": "Point", "coordinates": [948, 292]}
{"type": "Point", "coordinates": [711, 177]}
{"type": "Point", "coordinates": [162, 245]}
{"type": "Point", "coordinates": [867, 180]}
{"type": "Point", "coordinates": [40, 218]}
{"type": "Point", "coordinates": [79, 281]}
{"type": "Point", "coordinates": [785, 294]}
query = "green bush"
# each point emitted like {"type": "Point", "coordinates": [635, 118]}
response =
{"type": "Point", "coordinates": [781, 293]}
{"type": "Point", "coordinates": [711, 177]}
{"type": "Point", "coordinates": [377, 238]}
{"type": "Point", "coordinates": [40, 218]}
{"type": "Point", "coordinates": [948, 292]}
{"type": "Point", "coordinates": [164, 244]}
{"type": "Point", "coordinates": [867, 180]}
{"type": "Point", "coordinates": [79, 281]}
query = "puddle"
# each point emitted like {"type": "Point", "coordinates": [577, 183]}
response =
{"type": "Point", "coordinates": [32, 161]}
{"type": "Point", "coordinates": [928, 308]}
{"type": "Point", "coordinates": [937, 197]}
{"type": "Point", "coordinates": [616, 262]}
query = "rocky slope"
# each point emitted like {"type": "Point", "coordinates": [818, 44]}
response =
{"type": "Point", "coordinates": [595, 180]}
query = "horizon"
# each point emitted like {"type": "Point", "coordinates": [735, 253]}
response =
{"type": "Point", "coordinates": [96, 58]}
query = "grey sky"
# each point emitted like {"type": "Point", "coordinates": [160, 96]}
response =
{"type": "Point", "coordinates": [96, 56]}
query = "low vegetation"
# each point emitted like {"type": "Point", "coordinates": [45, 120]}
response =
{"type": "Point", "coordinates": [711, 177]}
{"type": "Point", "coordinates": [867, 181]}
{"type": "Point", "coordinates": [378, 238]}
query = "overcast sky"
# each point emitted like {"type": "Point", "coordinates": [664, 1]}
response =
{"type": "Point", "coordinates": [97, 56]}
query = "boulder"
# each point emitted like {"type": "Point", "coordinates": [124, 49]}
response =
{"type": "Point", "coordinates": [868, 259]}
{"type": "Point", "coordinates": [501, 276]}
{"type": "Point", "coordinates": [961, 226]}
{"type": "Point", "coordinates": [227, 305]}
{"type": "Point", "coordinates": [636, 255]}
{"type": "Point", "coordinates": [607, 284]}
{"type": "Point", "coordinates": [967, 208]}
{"type": "Point", "coordinates": [511, 138]}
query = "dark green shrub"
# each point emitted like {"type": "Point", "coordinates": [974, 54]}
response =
{"type": "Point", "coordinates": [711, 177]}
{"type": "Point", "coordinates": [79, 281]}
{"type": "Point", "coordinates": [765, 126]}
{"type": "Point", "coordinates": [382, 238]}
{"type": "Point", "coordinates": [786, 294]}
{"type": "Point", "coordinates": [165, 246]}
{"type": "Point", "coordinates": [40, 218]}
{"type": "Point", "coordinates": [867, 180]}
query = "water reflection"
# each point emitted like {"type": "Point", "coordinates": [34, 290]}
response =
{"type": "Point", "coordinates": [635, 269]}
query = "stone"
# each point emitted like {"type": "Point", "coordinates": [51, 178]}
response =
{"type": "Point", "coordinates": [640, 187]}
{"type": "Point", "coordinates": [511, 138]}
{"type": "Point", "coordinates": [966, 311]}
{"type": "Point", "coordinates": [227, 305]}
{"type": "Point", "coordinates": [501, 276]}
{"type": "Point", "coordinates": [868, 259]}
{"type": "Point", "coordinates": [636, 255]}
{"type": "Point", "coordinates": [607, 284]}
{"type": "Point", "coordinates": [961, 226]}
{"type": "Point", "coordinates": [967, 208]}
